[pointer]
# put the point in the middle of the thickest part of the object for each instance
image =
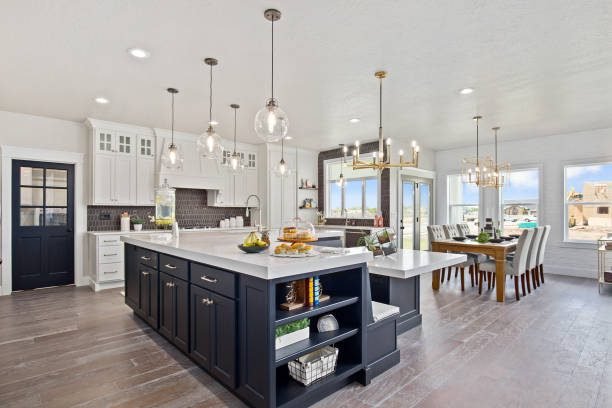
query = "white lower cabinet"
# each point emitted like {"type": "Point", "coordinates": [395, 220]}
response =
{"type": "Point", "coordinates": [105, 261]}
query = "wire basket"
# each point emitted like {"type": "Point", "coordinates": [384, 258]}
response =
{"type": "Point", "coordinates": [314, 366]}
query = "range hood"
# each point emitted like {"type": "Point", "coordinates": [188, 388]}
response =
{"type": "Point", "coordinates": [197, 172]}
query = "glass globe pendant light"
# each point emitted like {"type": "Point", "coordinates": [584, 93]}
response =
{"type": "Point", "coordinates": [235, 161]}
{"type": "Point", "coordinates": [209, 142]}
{"type": "Point", "coordinates": [341, 181]}
{"type": "Point", "coordinates": [281, 169]}
{"type": "Point", "coordinates": [172, 158]}
{"type": "Point", "coordinates": [271, 123]}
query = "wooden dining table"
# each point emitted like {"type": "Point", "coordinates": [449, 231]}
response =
{"type": "Point", "coordinates": [497, 251]}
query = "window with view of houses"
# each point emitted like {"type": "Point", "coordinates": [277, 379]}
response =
{"type": "Point", "coordinates": [520, 200]}
{"type": "Point", "coordinates": [462, 202]}
{"type": "Point", "coordinates": [588, 199]}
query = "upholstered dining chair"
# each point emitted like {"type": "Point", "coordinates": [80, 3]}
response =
{"type": "Point", "coordinates": [464, 229]}
{"type": "Point", "coordinates": [436, 233]}
{"type": "Point", "coordinates": [461, 230]}
{"type": "Point", "coordinates": [515, 268]}
{"type": "Point", "coordinates": [541, 252]}
{"type": "Point", "coordinates": [451, 230]}
{"type": "Point", "coordinates": [532, 263]}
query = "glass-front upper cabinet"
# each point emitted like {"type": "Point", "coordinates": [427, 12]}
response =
{"type": "Point", "coordinates": [251, 161]}
{"type": "Point", "coordinates": [125, 143]}
{"type": "Point", "coordinates": [105, 141]}
{"type": "Point", "coordinates": [146, 146]}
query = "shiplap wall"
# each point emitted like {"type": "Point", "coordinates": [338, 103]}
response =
{"type": "Point", "coordinates": [550, 154]}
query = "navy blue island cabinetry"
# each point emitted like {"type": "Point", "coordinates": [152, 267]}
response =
{"type": "Point", "coordinates": [224, 318]}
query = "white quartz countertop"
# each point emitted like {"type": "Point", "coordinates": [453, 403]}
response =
{"type": "Point", "coordinates": [347, 227]}
{"type": "Point", "coordinates": [326, 233]}
{"type": "Point", "coordinates": [407, 263]}
{"type": "Point", "coordinates": [220, 249]}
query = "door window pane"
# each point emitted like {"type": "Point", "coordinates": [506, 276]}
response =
{"type": "Point", "coordinates": [353, 198]}
{"type": "Point", "coordinates": [31, 195]}
{"type": "Point", "coordinates": [56, 197]}
{"type": "Point", "coordinates": [55, 216]}
{"type": "Point", "coordinates": [424, 215]}
{"type": "Point", "coordinates": [31, 176]}
{"type": "Point", "coordinates": [408, 214]}
{"type": "Point", "coordinates": [30, 217]}
{"type": "Point", "coordinates": [57, 178]}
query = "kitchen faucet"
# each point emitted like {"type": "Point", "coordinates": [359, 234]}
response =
{"type": "Point", "coordinates": [344, 213]}
{"type": "Point", "coordinates": [258, 207]}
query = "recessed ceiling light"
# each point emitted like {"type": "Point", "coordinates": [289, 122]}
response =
{"type": "Point", "coordinates": [101, 100]}
{"type": "Point", "coordinates": [355, 120]}
{"type": "Point", "coordinates": [466, 91]}
{"type": "Point", "coordinates": [139, 53]}
{"type": "Point", "coordinates": [288, 137]}
{"type": "Point", "coordinates": [213, 123]}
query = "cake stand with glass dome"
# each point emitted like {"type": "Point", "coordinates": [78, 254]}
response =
{"type": "Point", "coordinates": [297, 230]}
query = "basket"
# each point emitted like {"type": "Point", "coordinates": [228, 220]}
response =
{"type": "Point", "coordinates": [314, 366]}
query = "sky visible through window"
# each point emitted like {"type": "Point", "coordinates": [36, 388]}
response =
{"type": "Point", "coordinates": [521, 185]}
{"type": "Point", "coordinates": [576, 176]}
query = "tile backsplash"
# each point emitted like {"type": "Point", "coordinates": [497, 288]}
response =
{"type": "Point", "coordinates": [191, 211]}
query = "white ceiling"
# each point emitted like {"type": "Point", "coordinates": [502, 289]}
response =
{"type": "Point", "coordinates": [538, 67]}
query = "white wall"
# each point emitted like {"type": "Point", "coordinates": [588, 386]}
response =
{"type": "Point", "coordinates": [20, 130]}
{"type": "Point", "coordinates": [550, 154]}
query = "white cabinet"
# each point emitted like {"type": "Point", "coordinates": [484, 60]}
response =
{"type": "Point", "coordinates": [105, 261]}
{"type": "Point", "coordinates": [234, 189]}
{"type": "Point", "coordinates": [122, 164]}
{"type": "Point", "coordinates": [104, 179]}
{"type": "Point", "coordinates": [145, 171]}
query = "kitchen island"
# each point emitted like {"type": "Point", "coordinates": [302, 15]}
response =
{"type": "Point", "coordinates": [221, 308]}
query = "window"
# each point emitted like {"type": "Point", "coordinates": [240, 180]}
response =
{"type": "Point", "coordinates": [588, 198]}
{"type": "Point", "coordinates": [520, 199]}
{"type": "Point", "coordinates": [462, 202]}
{"type": "Point", "coordinates": [359, 193]}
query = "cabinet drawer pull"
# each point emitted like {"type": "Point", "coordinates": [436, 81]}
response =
{"type": "Point", "coordinates": [145, 258]}
{"type": "Point", "coordinates": [170, 284]}
{"type": "Point", "coordinates": [144, 273]}
{"type": "Point", "coordinates": [207, 279]}
{"type": "Point", "coordinates": [111, 254]}
{"type": "Point", "coordinates": [110, 240]}
{"type": "Point", "coordinates": [107, 272]}
{"type": "Point", "coordinates": [169, 266]}
{"type": "Point", "coordinates": [207, 301]}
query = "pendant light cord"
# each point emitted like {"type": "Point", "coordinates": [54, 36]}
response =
{"type": "Point", "coordinates": [496, 147]}
{"type": "Point", "coordinates": [272, 59]}
{"type": "Point", "coordinates": [172, 121]}
{"type": "Point", "coordinates": [210, 99]}
{"type": "Point", "coordinates": [235, 113]}
{"type": "Point", "coordinates": [477, 158]}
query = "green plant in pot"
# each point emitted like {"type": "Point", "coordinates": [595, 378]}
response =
{"type": "Point", "coordinates": [138, 223]}
{"type": "Point", "coordinates": [293, 332]}
{"type": "Point", "coordinates": [483, 237]}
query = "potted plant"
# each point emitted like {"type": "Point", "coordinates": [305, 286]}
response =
{"type": "Point", "coordinates": [292, 333]}
{"type": "Point", "coordinates": [137, 222]}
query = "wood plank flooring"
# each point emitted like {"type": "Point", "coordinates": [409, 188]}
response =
{"type": "Point", "coordinates": [70, 347]}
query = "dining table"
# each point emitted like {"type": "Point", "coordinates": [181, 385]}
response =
{"type": "Point", "coordinates": [497, 251]}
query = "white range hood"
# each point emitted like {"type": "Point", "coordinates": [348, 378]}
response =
{"type": "Point", "coordinates": [197, 172]}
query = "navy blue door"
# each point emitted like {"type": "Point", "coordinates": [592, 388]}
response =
{"type": "Point", "coordinates": [43, 224]}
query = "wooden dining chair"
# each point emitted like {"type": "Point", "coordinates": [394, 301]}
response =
{"type": "Point", "coordinates": [515, 268]}
{"type": "Point", "coordinates": [541, 252]}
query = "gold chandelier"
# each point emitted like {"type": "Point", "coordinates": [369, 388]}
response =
{"type": "Point", "coordinates": [484, 172]}
{"type": "Point", "coordinates": [381, 159]}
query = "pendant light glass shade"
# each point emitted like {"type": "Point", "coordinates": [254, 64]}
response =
{"type": "Point", "coordinates": [235, 161]}
{"type": "Point", "coordinates": [281, 169]}
{"type": "Point", "coordinates": [172, 158]}
{"type": "Point", "coordinates": [271, 122]}
{"type": "Point", "coordinates": [209, 142]}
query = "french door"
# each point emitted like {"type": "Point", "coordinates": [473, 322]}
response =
{"type": "Point", "coordinates": [417, 212]}
{"type": "Point", "coordinates": [42, 224]}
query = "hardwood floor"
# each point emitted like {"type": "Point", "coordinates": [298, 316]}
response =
{"type": "Point", "coordinates": [65, 347]}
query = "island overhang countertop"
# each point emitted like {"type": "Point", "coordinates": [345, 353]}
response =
{"type": "Point", "coordinates": [221, 250]}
